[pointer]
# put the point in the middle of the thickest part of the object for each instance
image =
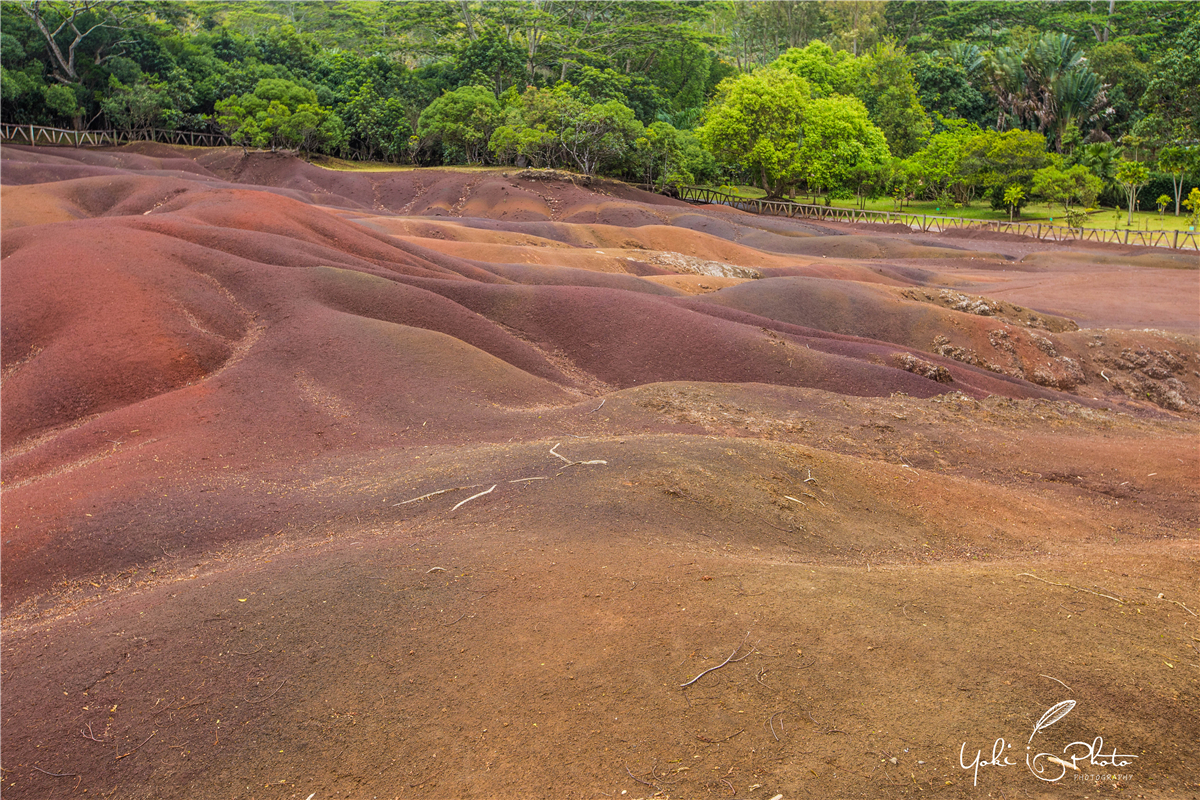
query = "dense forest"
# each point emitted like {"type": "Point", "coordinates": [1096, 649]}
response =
{"type": "Point", "coordinates": [1079, 103]}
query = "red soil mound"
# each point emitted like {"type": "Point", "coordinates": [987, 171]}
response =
{"type": "Point", "coordinates": [181, 321]}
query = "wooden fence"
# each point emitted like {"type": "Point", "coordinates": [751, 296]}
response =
{"type": "Point", "coordinates": [1177, 240]}
{"type": "Point", "coordinates": [60, 137]}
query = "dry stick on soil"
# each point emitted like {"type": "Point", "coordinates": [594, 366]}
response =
{"type": "Point", "coordinates": [268, 697]}
{"type": "Point", "coordinates": [139, 747]}
{"type": "Point", "coordinates": [435, 494]}
{"type": "Point", "coordinates": [92, 736]}
{"type": "Point", "coordinates": [639, 780]}
{"type": "Point", "coordinates": [571, 463]}
{"type": "Point", "coordinates": [56, 774]}
{"type": "Point", "coordinates": [1056, 680]}
{"type": "Point", "coordinates": [731, 659]}
{"type": "Point", "coordinates": [707, 740]}
{"type": "Point", "coordinates": [771, 720]}
{"type": "Point", "coordinates": [814, 497]}
{"type": "Point", "coordinates": [597, 408]}
{"type": "Point", "coordinates": [794, 500]}
{"type": "Point", "coordinates": [1176, 602]}
{"type": "Point", "coordinates": [472, 497]}
{"type": "Point", "coordinates": [1069, 586]}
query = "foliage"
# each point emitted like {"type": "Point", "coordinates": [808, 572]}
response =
{"type": "Point", "coordinates": [1173, 94]}
{"type": "Point", "coordinates": [461, 121]}
{"type": "Point", "coordinates": [559, 127]}
{"type": "Point", "coordinates": [947, 88]}
{"type": "Point", "coordinates": [1047, 85]}
{"type": "Point", "coordinates": [1013, 197]}
{"type": "Point", "coordinates": [840, 146]}
{"type": "Point", "coordinates": [280, 113]}
{"type": "Point", "coordinates": [992, 161]}
{"type": "Point", "coordinates": [1132, 175]}
{"type": "Point", "coordinates": [889, 91]}
{"type": "Point", "coordinates": [146, 104]}
{"type": "Point", "coordinates": [755, 123]}
{"type": "Point", "coordinates": [882, 79]}
{"type": "Point", "coordinates": [1073, 185]}
{"type": "Point", "coordinates": [1192, 203]}
{"type": "Point", "coordinates": [826, 71]}
{"type": "Point", "coordinates": [1078, 73]}
{"type": "Point", "coordinates": [1175, 161]}
{"type": "Point", "coordinates": [940, 161]}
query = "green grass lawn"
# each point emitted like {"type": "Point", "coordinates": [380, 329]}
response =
{"type": "Point", "coordinates": [1034, 212]}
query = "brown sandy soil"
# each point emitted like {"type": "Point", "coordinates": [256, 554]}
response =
{"type": "Point", "coordinates": [388, 484]}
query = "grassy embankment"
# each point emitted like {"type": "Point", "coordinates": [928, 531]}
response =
{"type": "Point", "coordinates": [1107, 218]}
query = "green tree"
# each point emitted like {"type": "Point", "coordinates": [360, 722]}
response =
{"type": "Point", "coordinates": [889, 92]}
{"type": "Point", "coordinates": [839, 140]}
{"type": "Point", "coordinates": [559, 127]}
{"type": "Point", "coordinates": [659, 155]}
{"type": "Point", "coordinates": [1067, 187]}
{"type": "Point", "coordinates": [139, 107]}
{"type": "Point", "coordinates": [826, 71]}
{"type": "Point", "coordinates": [1132, 176]}
{"type": "Point", "coordinates": [62, 100]}
{"type": "Point", "coordinates": [378, 125]}
{"type": "Point", "coordinates": [463, 121]}
{"type": "Point", "coordinates": [531, 126]}
{"type": "Point", "coordinates": [71, 28]}
{"type": "Point", "coordinates": [265, 117]}
{"type": "Point", "coordinates": [855, 23]}
{"type": "Point", "coordinates": [1101, 159]}
{"type": "Point", "coordinates": [993, 161]}
{"type": "Point", "coordinates": [940, 161]}
{"type": "Point", "coordinates": [945, 87]}
{"type": "Point", "coordinates": [491, 60]}
{"type": "Point", "coordinates": [1176, 161]}
{"type": "Point", "coordinates": [1173, 94]}
{"type": "Point", "coordinates": [1047, 85]}
{"type": "Point", "coordinates": [1192, 203]}
{"type": "Point", "coordinates": [755, 123]}
{"type": "Point", "coordinates": [1013, 197]}
{"type": "Point", "coordinates": [602, 133]}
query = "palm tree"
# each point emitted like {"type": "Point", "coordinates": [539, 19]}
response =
{"type": "Point", "coordinates": [1047, 86]}
{"type": "Point", "coordinates": [1101, 158]}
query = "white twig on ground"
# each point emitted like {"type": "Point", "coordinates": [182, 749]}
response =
{"type": "Point", "coordinates": [1069, 586]}
{"type": "Point", "coordinates": [435, 494]}
{"type": "Point", "coordinates": [472, 497]}
{"type": "Point", "coordinates": [568, 461]}
{"type": "Point", "coordinates": [1056, 680]}
{"type": "Point", "coordinates": [731, 659]}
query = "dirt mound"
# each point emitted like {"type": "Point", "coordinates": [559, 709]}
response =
{"type": "Point", "coordinates": [1138, 257]}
